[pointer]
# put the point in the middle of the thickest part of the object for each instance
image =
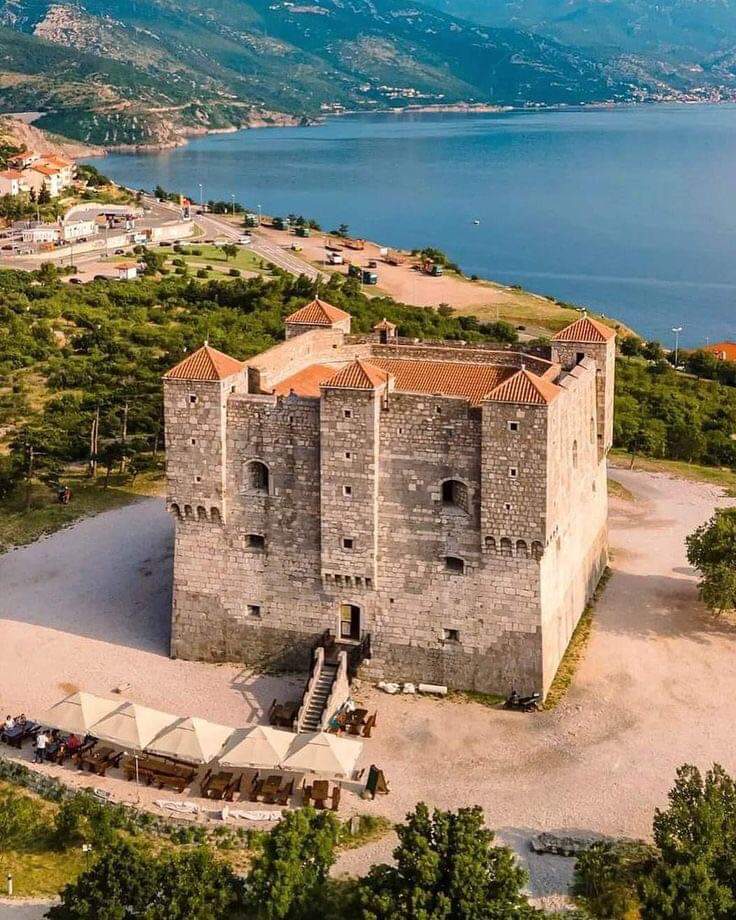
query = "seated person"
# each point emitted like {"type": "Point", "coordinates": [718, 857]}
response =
{"type": "Point", "coordinates": [9, 723]}
{"type": "Point", "coordinates": [73, 743]}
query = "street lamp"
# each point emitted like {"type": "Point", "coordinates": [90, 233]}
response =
{"type": "Point", "coordinates": [259, 215]}
{"type": "Point", "coordinates": [677, 330]}
{"type": "Point", "coordinates": [201, 196]}
{"type": "Point", "coordinates": [233, 198]}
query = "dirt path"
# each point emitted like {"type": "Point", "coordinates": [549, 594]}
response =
{"type": "Point", "coordinates": [88, 607]}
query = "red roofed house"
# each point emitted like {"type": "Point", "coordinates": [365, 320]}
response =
{"type": "Point", "coordinates": [11, 182]}
{"type": "Point", "coordinates": [724, 351]}
{"type": "Point", "coordinates": [440, 510]}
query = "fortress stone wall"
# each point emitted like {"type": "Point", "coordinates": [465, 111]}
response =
{"type": "Point", "coordinates": [449, 502]}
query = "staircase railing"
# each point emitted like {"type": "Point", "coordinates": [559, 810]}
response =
{"type": "Point", "coordinates": [318, 660]}
{"type": "Point", "coordinates": [339, 692]}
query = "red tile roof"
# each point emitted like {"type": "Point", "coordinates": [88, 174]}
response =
{"type": "Point", "coordinates": [11, 174]}
{"type": "Point", "coordinates": [360, 375]}
{"type": "Point", "coordinates": [726, 351]}
{"type": "Point", "coordinates": [384, 324]}
{"type": "Point", "coordinates": [205, 364]}
{"type": "Point", "coordinates": [306, 382]}
{"type": "Point", "coordinates": [317, 313]}
{"type": "Point", "coordinates": [44, 170]}
{"type": "Point", "coordinates": [525, 387]}
{"type": "Point", "coordinates": [586, 331]}
{"type": "Point", "coordinates": [471, 381]}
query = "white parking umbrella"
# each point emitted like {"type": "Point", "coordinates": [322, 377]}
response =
{"type": "Point", "coordinates": [260, 748]}
{"type": "Point", "coordinates": [132, 726]}
{"type": "Point", "coordinates": [323, 754]}
{"type": "Point", "coordinates": [192, 740]}
{"type": "Point", "coordinates": [77, 713]}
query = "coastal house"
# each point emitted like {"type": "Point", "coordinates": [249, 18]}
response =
{"type": "Point", "coordinates": [38, 232]}
{"type": "Point", "coordinates": [11, 182]}
{"type": "Point", "coordinates": [78, 230]}
{"type": "Point", "coordinates": [724, 351]}
{"type": "Point", "coordinates": [127, 271]}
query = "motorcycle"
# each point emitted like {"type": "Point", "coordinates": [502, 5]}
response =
{"type": "Point", "coordinates": [524, 703]}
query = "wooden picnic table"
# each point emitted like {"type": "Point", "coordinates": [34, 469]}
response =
{"type": "Point", "coordinates": [97, 760]}
{"type": "Point", "coordinates": [219, 786]}
{"type": "Point", "coordinates": [271, 788]}
{"type": "Point", "coordinates": [159, 773]}
{"type": "Point", "coordinates": [320, 792]}
{"type": "Point", "coordinates": [19, 733]}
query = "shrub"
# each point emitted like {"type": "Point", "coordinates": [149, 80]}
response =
{"type": "Point", "coordinates": [19, 819]}
{"type": "Point", "coordinates": [202, 273]}
{"type": "Point", "coordinates": [234, 273]}
{"type": "Point", "coordinates": [607, 875]}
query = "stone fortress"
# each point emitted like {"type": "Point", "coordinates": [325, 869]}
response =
{"type": "Point", "coordinates": [443, 507]}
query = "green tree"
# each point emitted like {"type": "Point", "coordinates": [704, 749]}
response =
{"type": "Point", "coordinates": [711, 549]}
{"type": "Point", "coordinates": [696, 835]}
{"type": "Point", "coordinates": [607, 877]}
{"type": "Point", "coordinates": [631, 346]}
{"type": "Point", "coordinates": [652, 351]}
{"type": "Point", "coordinates": [230, 250]}
{"type": "Point", "coordinates": [18, 818]}
{"type": "Point", "coordinates": [289, 876]}
{"type": "Point", "coordinates": [121, 884]}
{"type": "Point", "coordinates": [447, 868]}
{"type": "Point", "coordinates": [127, 883]}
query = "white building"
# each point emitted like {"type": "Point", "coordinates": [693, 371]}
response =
{"type": "Point", "coordinates": [11, 182]}
{"type": "Point", "coordinates": [78, 230]}
{"type": "Point", "coordinates": [40, 233]}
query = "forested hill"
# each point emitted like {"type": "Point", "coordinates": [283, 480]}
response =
{"type": "Point", "coordinates": [683, 42]}
{"type": "Point", "coordinates": [121, 71]}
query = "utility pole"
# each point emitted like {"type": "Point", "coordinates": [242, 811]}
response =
{"type": "Point", "coordinates": [124, 435]}
{"type": "Point", "coordinates": [677, 330]}
{"type": "Point", "coordinates": [93, 439]}
{"type": "Point", "coordinates": [29, 477]}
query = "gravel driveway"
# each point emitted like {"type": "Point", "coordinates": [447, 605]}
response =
{"type": "Point", "coordinates": [89, 607]}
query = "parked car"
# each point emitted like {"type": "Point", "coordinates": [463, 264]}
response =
{"type": "Point", "coordinates": [245, 240]}
{"type": "Point", "coordinates": [75, 281]}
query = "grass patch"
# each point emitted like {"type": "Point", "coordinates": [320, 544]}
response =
{"type": "Point", "coordinates": [19, 527]}
{"type": "Point", "coordinates": [616, 490]}
{"type": "Point", "coordinates": [575, 650]}
{"type": "Point", "coordinates": [713, 475]}
{"type": "Point", "coordinates": [491, 700]}
{"type": "Point", "coordinates": [370, 828]}
{"type": "Point", "coordinates": [245, 260]}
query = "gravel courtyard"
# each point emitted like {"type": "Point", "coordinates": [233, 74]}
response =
{"type": "Point", "coordinates": [88, 608]}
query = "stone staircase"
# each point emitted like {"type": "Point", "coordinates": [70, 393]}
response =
{"type": "Point", "coordinates": [318, 697]}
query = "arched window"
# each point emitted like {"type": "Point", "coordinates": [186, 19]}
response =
{"type": "Point", "coordinates": [174, 508]}
{"type": "Point", "coordinates": [537, 550]}
{"type": "Point", "coordinates": [455, 564]}
{"type": "Point", "coordinates": [574, 455]}
{"type": "Point", "coordinates": [188, 513]}
{"type": "Point", "coordinates": [506, 548]}
{"type": "Point", "coordinates": [201, 513]}
{"type": "Point", "coordinates": [455, 494]}
{"type": "Point", "coordinates": [257, 477]}
{"type": "Point", "coordinates": [215, 515]}
{"type": "Point", "coordinates": [522, 549]}
{"type": "Point", "coordinates": [491, 544]}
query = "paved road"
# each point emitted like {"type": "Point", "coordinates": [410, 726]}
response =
{"type": "Point", "coordinates": [260, 245]}
{"type": "Point", "coordinates": [28, 911]}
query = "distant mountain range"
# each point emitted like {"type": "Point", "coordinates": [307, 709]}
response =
{"type": "Point", "coordinates": [687, 43]}
{"type": "Point", "coordinates": [145, 72]}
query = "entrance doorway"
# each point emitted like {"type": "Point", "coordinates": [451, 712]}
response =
{"type": "Point", "coordinates": [350, 622]}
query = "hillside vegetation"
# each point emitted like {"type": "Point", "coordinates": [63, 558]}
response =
{"type": "Point", "coordinates": [123, 72]}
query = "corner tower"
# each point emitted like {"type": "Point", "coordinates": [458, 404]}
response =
{"type": "Point", "coordinates": [195, 416]}
{"type": "Point", "coordinates": [317, 315]}
{"type": "Point", "coordinates": [589, 338]}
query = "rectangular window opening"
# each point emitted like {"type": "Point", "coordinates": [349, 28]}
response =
{"type": "Point", "coordinates": [348, 543]}
{"type": "Point", "coordinates": [451, 635]}
{"type": "Point", "coordinates": [256, 541]}
{"type": "Point", "coordinates": [254, 610]}
{"type": "Point", "coordinates": [347, 491]}
{"type": "Point", "coordinates": [348, 455]}
{"type": "Point", "coordinates": [192, 399]}
{"type": "Point", "coordinates": [348, 413]}
{"type": "Point", "coordinates": [513, 472]}
{"type": "Point", "coordinates": [513, 426]}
